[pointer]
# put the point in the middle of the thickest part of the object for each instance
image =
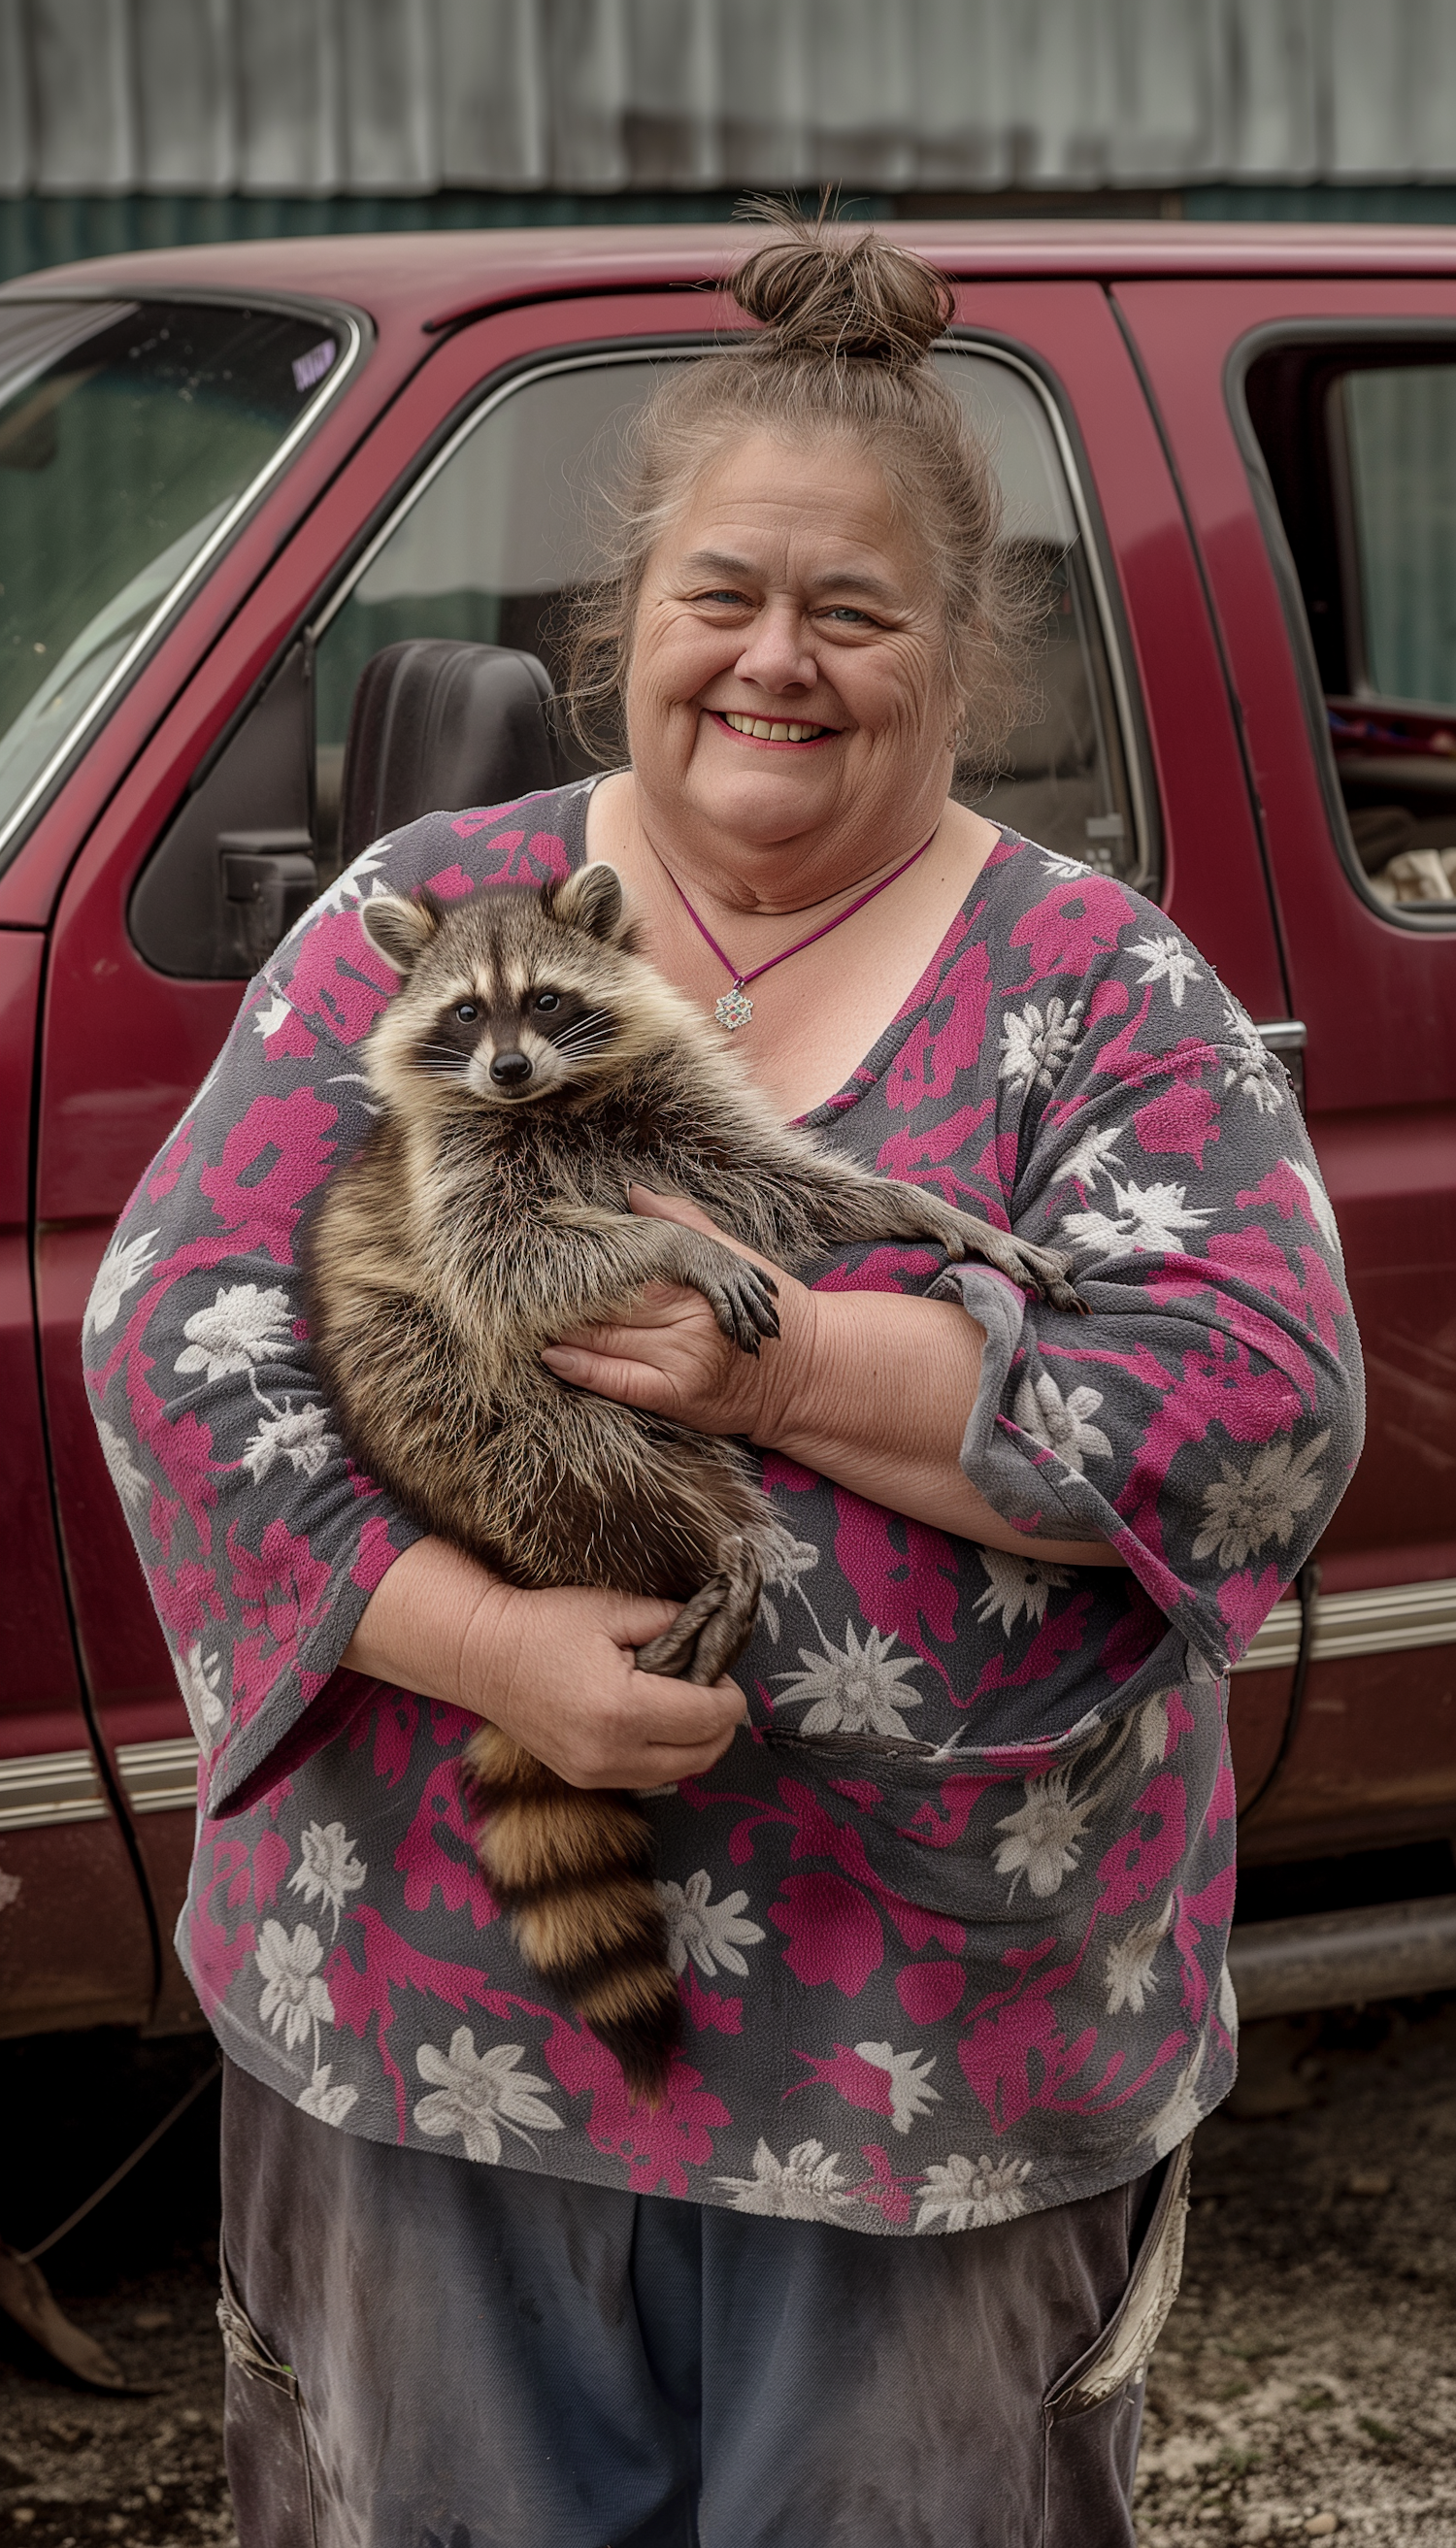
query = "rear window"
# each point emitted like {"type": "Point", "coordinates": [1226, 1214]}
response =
{"type": "Point", "coordinates": [130, 436]}
{"type": "Point", "coordinates": [1360, 446]}
{"type": "Point", "coordinates": [493, 541]}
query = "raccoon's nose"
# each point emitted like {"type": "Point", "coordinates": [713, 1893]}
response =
{"type": "Point", "coordinates": [511, 1068]}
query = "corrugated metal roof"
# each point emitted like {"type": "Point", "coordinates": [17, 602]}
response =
{"type": "Point", "coordinates": [372, 97]}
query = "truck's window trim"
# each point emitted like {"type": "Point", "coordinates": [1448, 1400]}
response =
{"type": "Point", "coordinates": [524, 373]}
{"type": "Point", "coordinates": [1273, 338]}
{"type": "Point", "coordinates": [357, 333]}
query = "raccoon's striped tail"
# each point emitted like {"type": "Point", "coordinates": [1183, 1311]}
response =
{"type": "Point", "coordinates": [573, 1867]}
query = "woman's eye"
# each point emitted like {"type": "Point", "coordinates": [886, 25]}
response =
{"type": "Point", "coordinates": [548, 999]}
{"type": "Point", "coordinates": [844, 610]}
{"type": "Point", "coordinates": [467, 1013]}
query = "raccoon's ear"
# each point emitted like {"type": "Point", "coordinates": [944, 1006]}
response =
{"type": "Point", "coordinates": [400, 930]}
{"type": "Point", "coordinates": [591, 899]}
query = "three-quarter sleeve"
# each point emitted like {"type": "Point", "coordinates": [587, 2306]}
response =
{"type": "Point", "coordinates": [260, 1541]}
{"type": "Point", "coordinates": [1206, 1416]}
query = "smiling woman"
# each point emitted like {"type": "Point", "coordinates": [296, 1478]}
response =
{"type": "Point", "coordinates": [949, 1862]}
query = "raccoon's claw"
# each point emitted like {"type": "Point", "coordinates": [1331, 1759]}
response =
{"type": "Point", "coordinates": [742, 1298]}
{"type": "Point", "coordinates": [1043, 1271]}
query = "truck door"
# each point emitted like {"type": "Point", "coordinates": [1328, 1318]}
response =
{"type": "Point", "coordinates": [1314, 428]}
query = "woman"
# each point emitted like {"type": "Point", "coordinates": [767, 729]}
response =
{"type": "Point", "coordinates": [950, 1906]}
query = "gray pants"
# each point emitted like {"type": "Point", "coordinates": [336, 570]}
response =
{"type": "Point", "coordinates": [423, 2354]}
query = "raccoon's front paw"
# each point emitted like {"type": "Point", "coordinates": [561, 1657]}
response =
{"type": "Point", "coordinates": [741, 1297]}
{"type": "Point", "coordinates": [1040, 1270]}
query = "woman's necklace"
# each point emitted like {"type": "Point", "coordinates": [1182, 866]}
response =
{"type": "Point", "coordinates": [735, 1008]}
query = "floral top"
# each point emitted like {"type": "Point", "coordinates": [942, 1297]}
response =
{"type": "Point", "coordinates": [951, 1915]}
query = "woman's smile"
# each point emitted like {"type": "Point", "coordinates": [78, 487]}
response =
{"type": "Point", "coordinates": [753, 726]}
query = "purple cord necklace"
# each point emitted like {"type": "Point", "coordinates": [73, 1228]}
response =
{"type": "Point", "coordinates": [735, 1008]}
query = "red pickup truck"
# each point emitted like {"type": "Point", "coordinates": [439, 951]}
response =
{"type": "Point", "coordinates": [229, 478]}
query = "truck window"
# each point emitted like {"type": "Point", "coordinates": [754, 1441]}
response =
{"type": "Point", "coordinates": [131, 437]}
{"type": "Point", "coordinates": [496, 536]}
{"type": "Point", "coordinates": [1360, 446]}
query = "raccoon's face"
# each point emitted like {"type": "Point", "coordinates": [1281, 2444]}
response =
{"type": "Point", "coordinates": [513, 996]}
{"type": "Point", "coordinates": [513, 1032]}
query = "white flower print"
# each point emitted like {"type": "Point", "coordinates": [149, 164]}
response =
{"type": "Point", "coordinates": [1248, 1066]}
{"type": "Point", "coordinates": [909, 2073]}
{"type": "Point", "coordinates": [711, 1933]}
{"type": "Point", "coordinates": [267, 1022]}
{"type": "Point", "coordinates": [200, 1677]}
{"type": "Point", "coordinates": [1320, 1203]}
{"type": "Point", "coordinates": [1054, 864]}
{"type": "Point", "coordinates": [1061, 1423]}
{"type": "Point", "coordinates": [476, 2092]}
{"type": "Point", "coordinates": [1147, 1222]}
{"type": "Point", "coordinates": [1016, 1585]}
{"type": "Point", "coordinates": [120, 1271]}
{"type": "Point", "coordinates": [299, 1435]}
{"type": "Point", "coordinates": [347, 890]}
{"type": "Point", "coordinates": [1242, 1512]}
{"type": "Point", "coordinates": [973, 2193]}
{"type": "Point", "coordinates": [295, 1996]}
{"type": "Point", "coordinates": [855, 1692]}
{"type": "Point", "coordinates": [1096, 1154]}
{"type": "Point", "coordinates": [1035, 1045]}
{"type": "Point", "coordinates": [238, 1330]}
{"type": "Point", "coordinates": [1180, 2115]}
{"type": "Point", "coordinates": [1042, 1835]}
{"type": "Point", "coordinates": [1228, 2003]}
{"type": "Point", "coordinates": [1153, 1729]}
{"type": "Point", "coordinates": [805, 2186]}
{"type": "Point", "coordinates": [327, 1871]}
{"type": "Point", "coordinates": [326, 2105]}
{"type": "Point", "coordinates": [1129, 1961]}
{"type": "Point", "coordinates": [783, 1560]}
{"type": "Point", "coordinates": [1168, 961]}
{"type": "Point", "coordinates": [10, 1887]}
{"type": "Point", "coordinates": [133, 1488]}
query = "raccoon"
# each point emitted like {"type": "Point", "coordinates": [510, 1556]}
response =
{"type": "Point", "coordinates": [532, 1065]}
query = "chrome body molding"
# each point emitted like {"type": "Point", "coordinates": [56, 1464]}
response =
{"type": "Point", "coordinates": [1393, 1619]}
{"type": "Point", "coordinates": [50, 1787]}
{"type": "Point", "coordinates": [43, 1788]}
{"type": "Point", "coordinates": [159, 1777]}
{"type": "Point", "coordinates": [1284, 1035]}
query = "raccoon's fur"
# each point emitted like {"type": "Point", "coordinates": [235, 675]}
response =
{"type": "Point", "coordinates": [530, 1064]}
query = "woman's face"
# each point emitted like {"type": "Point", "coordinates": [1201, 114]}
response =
{"type": "Point", "coordinates": [787, 681]}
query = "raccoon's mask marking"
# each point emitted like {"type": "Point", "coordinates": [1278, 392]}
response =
{"type": "Point", "coordinates": [513, 996]}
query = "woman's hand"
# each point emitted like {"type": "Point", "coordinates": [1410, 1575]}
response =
{"type": "Point", "coordinates": [555, 1671]}
{"type": "Point", "coordinates": [558, 1672]}
{"type": "Point", "coordinates": [668, 1353]}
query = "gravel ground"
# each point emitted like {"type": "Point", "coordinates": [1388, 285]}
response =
{"type": "Point", "coordinates": [1305, 2384]}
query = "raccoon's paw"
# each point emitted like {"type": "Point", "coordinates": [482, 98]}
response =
{"type": "Point", "coordinates": [741, 1297]}
{"type": "Point", "coordinates": [1040, 1270]}
{"type": "Point", "coordinates": [711, 1629]}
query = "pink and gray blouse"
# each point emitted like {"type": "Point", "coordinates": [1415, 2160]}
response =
{"type": "Point", "coordinates": [951, 1915]}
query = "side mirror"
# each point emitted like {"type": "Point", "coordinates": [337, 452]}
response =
{"type": "Point", "coordinates": [236, 866]}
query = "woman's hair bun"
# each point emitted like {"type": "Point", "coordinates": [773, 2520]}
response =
{"type": "Point", "coordinates": [821, 291]}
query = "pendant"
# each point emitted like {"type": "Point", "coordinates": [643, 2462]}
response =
{"type": "Point", "coordinates": [734, 1009]}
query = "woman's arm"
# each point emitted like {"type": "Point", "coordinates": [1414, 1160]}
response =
{"type": "Point", "coordinates": [869, 1388]}
{"type": "Point", "coordinates": [555, 1671]}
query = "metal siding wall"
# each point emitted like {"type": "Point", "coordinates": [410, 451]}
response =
{"type": "Point", "coordinates": [373, 97]}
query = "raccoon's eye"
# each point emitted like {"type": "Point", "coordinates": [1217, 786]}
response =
{"type": "Point", "coordinates": [548, 1000]}
{"type": "Point", "coordinates": [467, 1013]}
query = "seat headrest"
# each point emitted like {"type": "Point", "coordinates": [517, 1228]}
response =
{"type": "Point", "coordinates": [439, 723]}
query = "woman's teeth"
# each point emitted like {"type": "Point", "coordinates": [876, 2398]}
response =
{"type": "Point", "coordinates": [770, 733]}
